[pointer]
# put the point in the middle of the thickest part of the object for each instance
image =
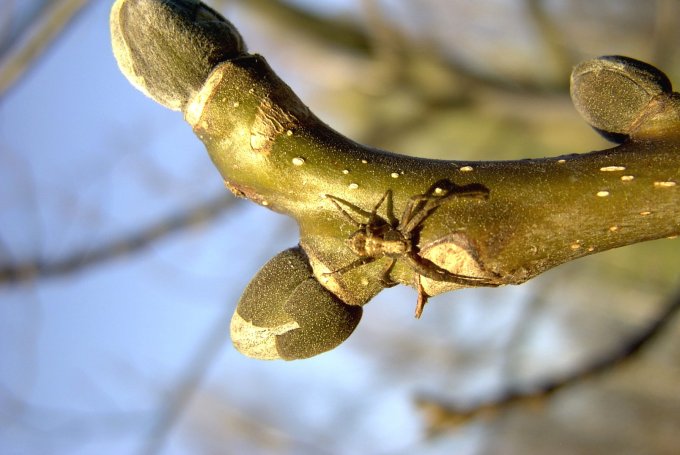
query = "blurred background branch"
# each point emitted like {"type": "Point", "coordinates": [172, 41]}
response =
{"type": "Point", "coordinates": [35, 269]}
{"type": "Point", "coordinates": [22, 44]}
{"type": "Point", "coordinates": [443, 416]}
{"type": "Point", "coordinates": [334, 31]}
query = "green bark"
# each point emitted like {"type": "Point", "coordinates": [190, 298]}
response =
{"type": "Point", "coordinates": [271, 149]}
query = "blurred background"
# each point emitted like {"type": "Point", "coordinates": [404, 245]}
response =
{"type": "Point", "coordinates": [123, 256]}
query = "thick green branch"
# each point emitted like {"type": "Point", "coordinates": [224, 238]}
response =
{"type": "Point", "coordinates": [272, 150]}
{"type": "Point", "coordinates": [540, 213]}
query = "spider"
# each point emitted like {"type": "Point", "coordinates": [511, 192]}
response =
{"type": "Point", "coordinates": [397, 239]}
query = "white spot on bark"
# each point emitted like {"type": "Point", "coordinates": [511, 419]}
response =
{"type": "Point", "coordinates": [466, 169]}
{"type": "Point", "coordinates": [298, 161]}
{"type": "Point", "coordinates": [666, 184]}
{"type": "Point", "coordinates": [353, 186]}
{"type": "Point", "coordinates": [395, 175]}
{"type": "Point", "coordinates": [602, 193]}
{"type": "Point", "coordinates": [627, 178]}
{"type": "Point", "coordinates": [612, 168]}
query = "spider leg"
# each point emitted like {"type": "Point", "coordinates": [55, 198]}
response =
{"type": "Point", "coordinates": [445, 187]}
{"type": "Point", "coordinates": [420, 207]}
{"type": "Point", "coordinates": [382, 199]}
{"type": "Point", "coordinates": [413, 206]}
{"type": "Point", "coordinates": [432, 271]}
{"type": "Point", "coordinates": [389, 209]}
{"type": "Point", "coordinates": [347, 216]}
{"type": "Point", "coordinates": [422, 298]}
{"type": "Point", "coordinates": [337, 201]}
{"type": "Point", "coordinates": [385, 276]}
{"type": "Point", "coordinates": [476, 193]}
{"type": "Point", "coordinates": [374, 213]}
{"type": "Point", "coordinates": [351, 266]}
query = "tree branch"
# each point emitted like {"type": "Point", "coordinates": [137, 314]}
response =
{"type": "Point", "coordinates": [348, 35]}
{"type": "Point", "coordinates": [334, 31]}
{"type": "Point", "coordinates": [535, 214]}
{"type": "Point", "coordinates": [36, 269]}
{"type": "Point", "coordinates": [52, 21]}
{"type": "Point", "coordinates": [441, 415]}
{"type": "Point", "coordinates": [558, 54]}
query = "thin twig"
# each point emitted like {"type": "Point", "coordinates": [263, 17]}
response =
{"type": "Point", "coordinates": [442, 415]}
{"type": "Point", "coordinates": [35, 40]}
{"type": "Point", "coordinates": [341, 33]}
{"type": "Point", "coordinates": [330, 30]}
{"type": "Point", "coordinates": [665, 32]}
{"type": "Point", "coordinates": [187, 386]}
{"type": "Point", "coordinates": [37, 269]}
{"type": "Point", "coordinates": [552, 41]}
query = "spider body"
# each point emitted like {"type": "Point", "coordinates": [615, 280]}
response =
{"type": "Point", "coordinates": [398, 239]}
{"type": "Point", "coordinates": [377, 241]}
